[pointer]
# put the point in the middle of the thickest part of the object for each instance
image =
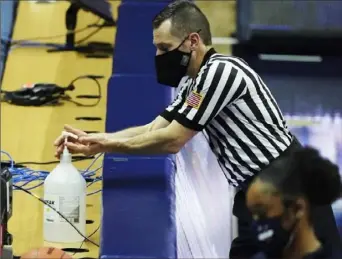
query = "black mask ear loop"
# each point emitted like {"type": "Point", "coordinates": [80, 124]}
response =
{"type": "Point", "coordinates": [187, 37]}
{"type": "Point", "coordinates": [190, 53]}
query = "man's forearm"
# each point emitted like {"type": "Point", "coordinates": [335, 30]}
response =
{"type": "Point", "coordinates": [129, 133]}
{"type": "Point", "coordinates": [157, 123]}
{"type": "Point", "coordinates": [153, 142]}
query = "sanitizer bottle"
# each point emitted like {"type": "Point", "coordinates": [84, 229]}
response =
{"type": "Point", "coordinates": [65, 190]}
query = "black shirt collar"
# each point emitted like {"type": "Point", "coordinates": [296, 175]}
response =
{"type": "Point", "coordinates": [207, 55]}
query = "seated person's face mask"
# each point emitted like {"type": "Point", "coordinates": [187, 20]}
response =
{"type": "Point", "coordinates": [272, 236]}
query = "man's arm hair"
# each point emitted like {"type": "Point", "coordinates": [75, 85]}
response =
{"type": "Point", "coordinates": [158, 123]}
{"type": "Point", "coordinates": [167, 140]}
{"type": "Point", "coordinates": [129, 133]}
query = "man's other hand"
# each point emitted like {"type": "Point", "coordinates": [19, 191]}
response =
{"type": "Point", "coordinates": [59, 142]}
{"type": "Point", "coordinates": [89, 144]}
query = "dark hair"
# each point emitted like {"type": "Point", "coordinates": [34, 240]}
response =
{"type": "Point", "coordinates": [307, 174]}
{"type": "Point", "coordinates": [186, 18]}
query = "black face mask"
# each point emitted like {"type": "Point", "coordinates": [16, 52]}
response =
{"type": "Point", "coordinates": [272, 237]}
{"type": "Point", "coordinates": [172, 66]}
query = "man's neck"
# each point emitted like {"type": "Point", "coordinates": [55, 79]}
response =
{"type": "Point", "coordinates": [304, 243]}
{"type": "Point", "coordinates": [195, 67]}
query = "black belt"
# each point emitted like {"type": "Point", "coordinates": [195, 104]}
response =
{"type": "Point", "coordinates": [295, 145]}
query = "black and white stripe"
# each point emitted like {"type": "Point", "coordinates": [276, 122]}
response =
{"type": "Point", "coordinates": [242, 121]}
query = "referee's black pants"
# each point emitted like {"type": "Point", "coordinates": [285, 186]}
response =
{"type": "Point", "coordinates": [246, 245]}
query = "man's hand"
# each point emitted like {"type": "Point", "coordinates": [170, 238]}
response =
{"type": "Point", "coordinates": [75, 145]}
{"type": "Point", "coordinates": [89, 144]}
{"type": "Point", "coordinates": [59, 142]}
{"type": "Point", "coordinates": [168, 140]}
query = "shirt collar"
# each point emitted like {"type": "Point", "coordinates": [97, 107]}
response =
{"type": "Point", "coordinates": [207, 56]}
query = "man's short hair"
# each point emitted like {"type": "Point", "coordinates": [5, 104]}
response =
{"type": "Point", "coordinates": [186, 18]}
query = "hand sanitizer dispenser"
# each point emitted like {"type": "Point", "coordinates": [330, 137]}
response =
{"type": "Point", "coordinates": [65, 190]}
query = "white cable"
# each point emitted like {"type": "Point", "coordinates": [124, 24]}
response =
{"type": "Point", "coordinates": [9, 156]}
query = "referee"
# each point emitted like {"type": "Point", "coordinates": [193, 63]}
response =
{"type": "Point", "coordinates": [219, 95]}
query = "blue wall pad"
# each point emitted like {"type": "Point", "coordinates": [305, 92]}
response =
{"type": "Point", "coordinates": [138, 196]}
{"type": "Point", "coordinates": [134, 51]}
{"type": "Point", "coordinates": [138, 192]}
{"type": "Point", "coordinates": [138, 208]}
{"type": "Point", "coordinates": [134, 100]}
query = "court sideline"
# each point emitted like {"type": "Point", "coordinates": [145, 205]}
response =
{"type": "Point", "coordinates": [28, 133]}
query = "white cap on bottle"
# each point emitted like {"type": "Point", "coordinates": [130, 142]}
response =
{"type": "Point", "coordinates": [66, 156]}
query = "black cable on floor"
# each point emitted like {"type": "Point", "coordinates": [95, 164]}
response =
{"type": "Point", "coordinates": [60, 214]}
{"type": "Point", "coordinates": [74, 159]}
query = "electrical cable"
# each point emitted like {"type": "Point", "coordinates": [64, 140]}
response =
{"type": "Point", "coordinates": [91, 34]}
{"type": "Point", "coordinates": [94, 180]}
{"type": "Point", "coordinates": [12, 44]}
{"type": "Point", "coordinates": [87, 96]}
{"type": "Point", "coordinates": [60, 214]}
{"type": "Point", "coordinates": [42, 94]}
{"type": "Point", "coordinates": [9, 156]}
{"type": "Point", "coordinates": [94, 161]}
{"type": "Point", "coordinates": [84, 240]}
{"type": "Point", "coordinates": [27, 176]}
{"type": "Point", "coordinates": [94, 192]}
{"type": "Point", "coordinates": [74, 159]}
{"type": "Point", "coordinates": [97, 157]}
{"type": "Point", "coordinates": [30, 44]}
{"type": "Point", "coordinates": [15, 42]}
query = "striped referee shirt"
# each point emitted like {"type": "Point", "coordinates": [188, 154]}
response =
{"type": "Point", "coordinates": [238, 114]}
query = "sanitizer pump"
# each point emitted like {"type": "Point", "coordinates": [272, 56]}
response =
{"type": "Point", "coordinates": [65, 190]}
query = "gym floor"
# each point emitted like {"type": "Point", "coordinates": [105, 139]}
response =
{"type": "Point", "coordinates": [27, 134]}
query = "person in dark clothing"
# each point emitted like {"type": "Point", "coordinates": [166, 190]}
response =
{"type": "Point", "coordinates": [283, 204]}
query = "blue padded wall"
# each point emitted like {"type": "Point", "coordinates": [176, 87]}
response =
{"type": "Point", "coordinates": [134, 51]}
{"type": "Point", "coordinates": [134, 100]}
{"type": "Point", "coordinates": [138, 191]}
{"type": "Point", "coordinates": [138, 208]}
{"type": "Point", "coordinates": [7, 20]}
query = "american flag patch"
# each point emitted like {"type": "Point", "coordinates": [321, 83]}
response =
{"type": "Point", "coordinates": [194, 100]}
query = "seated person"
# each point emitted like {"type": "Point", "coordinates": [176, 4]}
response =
{"type": "Point", "coordinates": [281, 206]}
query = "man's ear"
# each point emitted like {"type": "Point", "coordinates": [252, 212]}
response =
{"type": "Point", "coordinates": [194, 40]}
